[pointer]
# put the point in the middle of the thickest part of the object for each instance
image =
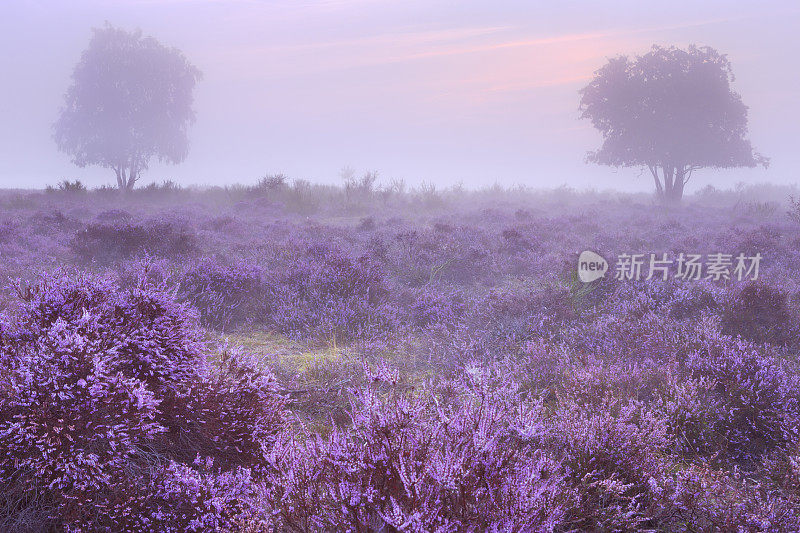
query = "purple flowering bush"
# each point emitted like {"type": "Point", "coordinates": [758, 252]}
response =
{"type": "Point", "coordinates": [325, 294]}
{"type": "Point", "coordinates": [175, 498]}
{"type": "Point", "coordinates": [100, 385]}
{"type": "Point", "coordinates": [761, 313]}
{"type": "Point", "coordinates": [457, 463]}
{"type": "Point", "coordinates": [225, 295]}
{"type": "Point", "coordinates": [232, 414]}
{"type": "Point", "coordinates": [120, 238]}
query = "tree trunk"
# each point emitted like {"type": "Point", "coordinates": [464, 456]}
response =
{"type": "Point", "coordinates": [126, 178]}
{"type": "Point", "coordinates": [132, 177]}
{"type": "Point", "coordinates": [680, 181]}
{"type": "Point", "coordinates": [657, 180]}
{"type": "Point", "coordinates": [669, 182]}
{"type": "Point", "coordinates": [669, 189]}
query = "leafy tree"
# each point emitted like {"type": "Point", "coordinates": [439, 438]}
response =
{"type": "Point", "coordinates": [672, 111]}
{"type": "Point", "coordinates": [130, 100]}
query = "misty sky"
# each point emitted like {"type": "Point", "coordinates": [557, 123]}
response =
{"type": "Point", "coordinates": [445, 92]}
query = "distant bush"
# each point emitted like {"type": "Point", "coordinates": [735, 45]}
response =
{"type": "Point", "coordinates": [113, 215]}
{"type": "Point", "coordinates": [165, 187]}
{"type": "Point", "coordinates": [226, 296]}
{"type": "Point", "coordinates": [760, 313]}
{"type": "Point", "coordinates": [328, 295]}
{"type": "Point", "coordinates": [272, 183]}
{"type": "Point", "coordinates": [427, 195]}
{"type": "Point", "coordinates": [794, 209]}
{"type": "Point", "coordinates": [111, 242]}
{"type": "Point", "coordinates": [68, 187]}
{"type": "Point", "coordinates": [761, 209]}
{"type": "Point", "coordinates": [45, 222]}
{"type": "Point", "coordinates": [301, 198]}
{"type": "Point", "coordinates": [358, 190]}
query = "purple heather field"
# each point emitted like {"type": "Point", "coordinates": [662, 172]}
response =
{"type": "Point", "coordinates": [554, 288]}
{"type": "Point", "coordinates": [299, 357]}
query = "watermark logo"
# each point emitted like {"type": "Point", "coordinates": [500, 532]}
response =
{"type": "Point", "coordinates": [591, 266]}
{"type": "Point", "coordinates": [633, 267]}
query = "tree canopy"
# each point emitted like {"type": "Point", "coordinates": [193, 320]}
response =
{"type": "Point", "coordinates": [130, 101]}
{"type": "Point", "coordinates": [672, 111]}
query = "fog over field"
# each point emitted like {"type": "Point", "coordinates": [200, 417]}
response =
{"type": "Point", "coordinates": [471, 92]}
{"type": "Point", "coordinates": [381, 267]}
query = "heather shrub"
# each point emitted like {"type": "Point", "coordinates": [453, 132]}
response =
{"type": "Point", "coordinates": [153, 338]}
{"type": "Point", "coordinates": [516, 240]}
{"type": "Point", "coordinates": [231, 413]}
{"type": "Point", "coordinates": [429, 306]}
{"type": "Point", "coordinates": [9, 230]}
{"type": "Point", "coordinates": [224, 224]}
{"type": "Point", "coordinates": [760, 313]}
{"type": "Point", "coordinates": [465, 264]}
{"type": "Point", "coordinates": [327, 295]}
{"type": "Point", "coordinates": [710, 500]}
{"type": "Point", "coordinates": [765, 240]}
{"type": "Point", "coordinates": [176, 498]}
{"type": "Point", "coordinates": [590, 382]}
{"type": "Point", "coordinates": [98, 386]}
{"type": "Point", "coordinates": [366, 224]}
{"type": "Point", "coordinates": [147, 272]}
{"type": "Point", "coordinates": [632, 338]}
{"type": "Point", "coordinates": [430, 256]}
{"type": "Point", "coordinates": [721, 398]}
{"type": "Point", "coordinates": [69, 418]}
{"type": "Point", "coordinates": [114, 241]}
{"type": "Point", "coordinates": [478, 454]}
{"type": "Point", "coordinates": [692, 302]}
{"type": "Point", "coordinates": [753, 393]}
{"type": "Point", "coordinates": [487, 324]}
{"type": "Point", "coordinates": [319, 294]}
{"type": "Point", "coordinates": [52, 221]}
{"type": "Point", "coordinates": [113, 215]}
{"type": "Point", "coordinates": [225, 295]}
{"type": "Point", "coordinates": [414, 463]}
{"type": "Point", "coordinates": [689, 417]}
{"type": "Point", "coordinates": [521, 313]}
{"type": "Point", "coordinates": [613, 463]}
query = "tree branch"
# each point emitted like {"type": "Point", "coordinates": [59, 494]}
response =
{"type": "Point", "coordinates": [688, 173]}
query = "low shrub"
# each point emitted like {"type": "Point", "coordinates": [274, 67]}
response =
{"type": "Point", "coordinates": [99, 388]}
{"type": "Point", "coordinates": [325, 294]}
{"type": "Point", "coordinates": [112, 242]}
{"type": "Point", "coordinates": [759, 312]}
{"type": "Point", "coordinates": [225, 295]}
{"type": "Point", "coordinates": [417, 464]}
